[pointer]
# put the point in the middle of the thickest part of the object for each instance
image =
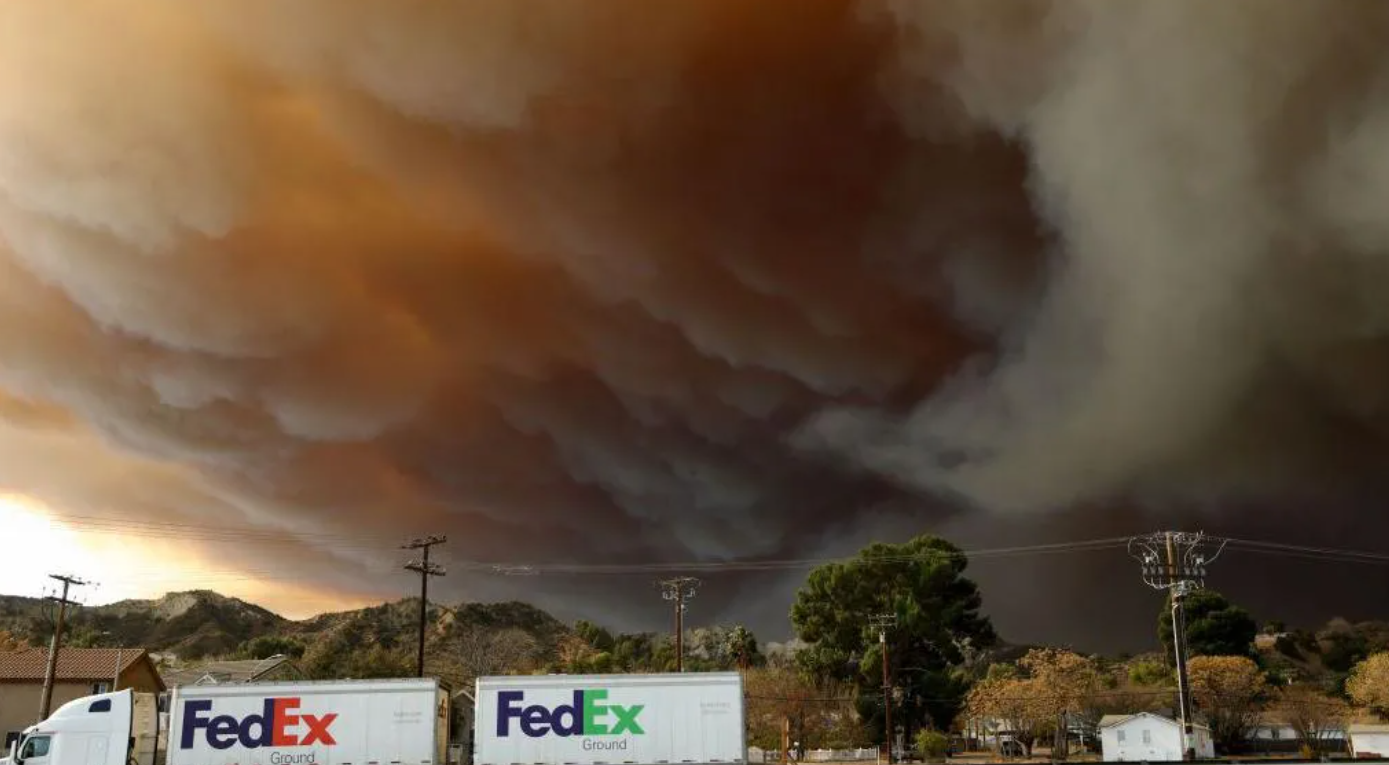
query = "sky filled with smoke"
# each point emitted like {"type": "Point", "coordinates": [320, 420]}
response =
{"type": "Point", "coordinates": [699, 280]}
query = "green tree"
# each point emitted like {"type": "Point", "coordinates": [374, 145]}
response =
{"type": "Point", "coordinates": [742, 647]}
{"type": "Point", "coordinates": [597, 637]}
{"type": "Point", "coordinates": [938, 627]}
{"type": "Point", "coordinates": [271, 645]}
{"type": "Point", "coordinates": [1214, 626]}
{"type": "Point", "coordinates": [379, 662]}
{"type": "Point", "coordinates": [932, 745]}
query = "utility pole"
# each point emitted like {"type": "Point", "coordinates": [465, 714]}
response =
{"type": "Point", "coordinates": [425, 570]}
{"type": "Point", "coordinates": [1176, 561]}
{"type": "Point", "coordinates": [46, 699]}
{"type": "Point", "coordinates": [881, 622]}
{"type": "Point", "coordinates": [679, 590]}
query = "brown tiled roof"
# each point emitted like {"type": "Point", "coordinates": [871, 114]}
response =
{"type": "Point", "coordinates": [87, 664]}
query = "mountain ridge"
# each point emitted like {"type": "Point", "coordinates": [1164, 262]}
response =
{"type": "Point", "coordinates": [192, 625]}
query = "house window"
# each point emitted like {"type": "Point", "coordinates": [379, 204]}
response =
{"type": "Point", "coordinates": [100, 688]}
{"type": "Point", "coordinates": [1147, 736]}
{"type": "Point", "coordinates": [1122, 737]}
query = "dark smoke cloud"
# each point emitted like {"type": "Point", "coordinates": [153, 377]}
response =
{"type": "Point", "coordinates": [703, 279]}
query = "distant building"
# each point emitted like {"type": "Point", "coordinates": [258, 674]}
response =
{"type": "Point", "coordinates": [1273, 734]}
{"type": "Point", "coordinates": [1146, 737]}
{"type": "Point", "coordinates": [80, 672]}
{"type": "Point", "coordinates": [1272, 728]}
{"type": "Point", "coordinates": [1368, 740]}
{"type": "Point", "coordinates": [268, 670]}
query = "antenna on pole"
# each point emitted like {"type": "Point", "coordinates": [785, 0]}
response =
{"type": "Point", "coordinates": [1176, 561]}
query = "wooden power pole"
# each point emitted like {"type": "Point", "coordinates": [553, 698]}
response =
{"type": "Point", "coordinates": [881, 622]}
{"type": "Point", "coordinates": [679, 590]}
{"type": "Point", "coordinates": [46, 699]}
{"type": "Point", "coordinates": [426, 570]}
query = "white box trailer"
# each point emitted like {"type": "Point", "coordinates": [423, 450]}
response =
{"type": "Point", "coordinates": [351, 722]}
{"type": "Point", "coordinates": [338, 722]}
{"type": "Point", "coordinates": [650, 719]}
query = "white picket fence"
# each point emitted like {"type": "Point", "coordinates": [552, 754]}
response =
{"type": "Point", "coordinates": [816, 755]}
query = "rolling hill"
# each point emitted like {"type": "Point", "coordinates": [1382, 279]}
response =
{"type": "Point", "coordinates": [189, 626]}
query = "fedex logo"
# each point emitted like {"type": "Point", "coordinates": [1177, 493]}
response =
{"type": "Point", "coordinates": [586, 716]}
{"type": "Point", "coordinates": [276, 726]}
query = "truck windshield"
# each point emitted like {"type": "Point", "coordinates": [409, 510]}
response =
{"type": "Point", "coordinates": [34, 746]}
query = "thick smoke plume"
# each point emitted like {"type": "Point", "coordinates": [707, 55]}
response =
{"type": "Point", "coordinates": [692, 279]}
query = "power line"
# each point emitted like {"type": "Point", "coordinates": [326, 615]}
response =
{"type": "Point", "coordinates": [426, 570]}
{"type": "Point", "coordinates": [202, 532]}
{"type": "Point", "coordinates": [533, 569]}
{"type": "Point", "coordinates": [478, 567]}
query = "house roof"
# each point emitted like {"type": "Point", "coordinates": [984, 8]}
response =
{"type": "Point", "coordinates": [224, 672]}
{"type": "Point", "coordinates": [79, 664]}
{"type": "Point", "coordinates": [1111, 720]}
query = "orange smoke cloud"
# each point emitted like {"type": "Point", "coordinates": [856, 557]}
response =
{"type": "Point", "coordinates": [680, 279]}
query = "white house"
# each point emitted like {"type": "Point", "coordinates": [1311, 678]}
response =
{"type": "Point", "coordinates": [1368, 740]}
{"type": "Point", "coordinates": [1146, 737]}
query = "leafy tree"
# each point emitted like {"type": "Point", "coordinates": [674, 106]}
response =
{"type": "Point", "coordinates": [478, 651]}
{"type": "Point", "coordinates": [1315, 715]}
{"type": "Point", "coordinates": [1229, 690]}
{"type": "Point", "coordinates": [378, 662]}
{"type": "Point", "coordinates": [1368, 684]}
{"type": "Point", "coordinates": [1068, 682]}
{"type": "Point", "coordinates": [1037, 696]}
{"type": "Point", "coordinates": [1150, 673]}
{"type": "Point", "coordinates": [12, 642]}
{"type": "Point", "coordinates": [1341, 646]}
{"type": "Point", "coordinates": [938, 626]}
{"type": "Point", "coordinates": [819, 714]}
{"type": "Point", "coordinates": [1214, 627]}
{"type": "Point", "coordinates": [597, 637]}
{"type": "Point", "coordinates": [742, 646]}
{"type": "Point", "coordinates": [272, 645]}
{"type": "Point", "coordinates": [1015, 702]}
{"type": "Point", "coordinates": [932, 745]}
{"type": "Point", "coordinates": [337, 657]}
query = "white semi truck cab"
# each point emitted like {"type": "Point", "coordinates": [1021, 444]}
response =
{"type": "Point", "coordinates": [336, 722]}
{"type": "Point", "coordinates": [118, 728]}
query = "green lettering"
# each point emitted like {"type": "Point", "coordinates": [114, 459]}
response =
{"type": "Point", "coordinates": [594, 710]}
{"type": "Point", "coordinates": [627, 719]}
